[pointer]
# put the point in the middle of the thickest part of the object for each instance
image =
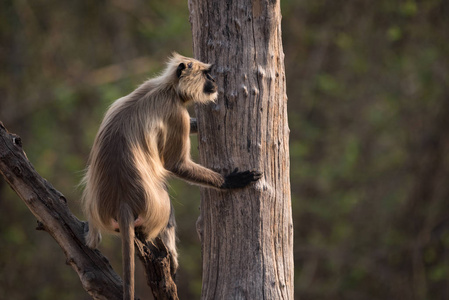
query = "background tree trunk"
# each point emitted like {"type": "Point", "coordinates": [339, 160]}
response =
{"type": "Point", "coordinates": [247, 235]}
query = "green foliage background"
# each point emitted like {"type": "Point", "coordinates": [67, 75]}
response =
{"type": "Point", "coordinates": [369, 115]}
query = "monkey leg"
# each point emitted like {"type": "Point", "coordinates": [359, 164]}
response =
{"type": "Point", "coordinates": [168, 236]}
{"type": "Point", "coordinates": [93, 236]}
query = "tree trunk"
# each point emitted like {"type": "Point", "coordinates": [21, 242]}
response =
{"type": "Point", "coordinates": [247, 235]}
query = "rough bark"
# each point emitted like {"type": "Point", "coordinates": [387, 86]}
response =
{"type": "Point", "coordinates": [50, 208]}
{"type": "Point", "coordinates": [157, 263]}
{"type": "Point", "coordinates": [247, 235]}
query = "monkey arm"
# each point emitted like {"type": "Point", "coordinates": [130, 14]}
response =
{"type": "Point", "coordinates": [197, 174]}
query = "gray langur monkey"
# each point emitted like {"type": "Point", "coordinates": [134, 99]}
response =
{"type": "Point", "coordinates": [144, 138]}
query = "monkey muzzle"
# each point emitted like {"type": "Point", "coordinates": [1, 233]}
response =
{"type": "Point", "coordinates": [210, 87]}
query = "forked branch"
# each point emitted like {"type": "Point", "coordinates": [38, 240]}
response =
{"type": "Point", "coordinates": [50, 208]}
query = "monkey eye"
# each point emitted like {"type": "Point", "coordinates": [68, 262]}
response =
{"type": "Point", "coordinates": [208, 76]}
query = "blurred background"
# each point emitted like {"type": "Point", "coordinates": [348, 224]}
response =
{"type": "Point", "coordinates": [368, 87]}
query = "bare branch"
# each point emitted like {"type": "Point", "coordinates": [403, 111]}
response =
{"type": "Point", "coordinates": [156, 260]}
{"type": "Point", "coordinates": [50, 208]}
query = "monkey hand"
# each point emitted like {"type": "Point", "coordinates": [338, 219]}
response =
{"type": "Point", "coordinates": [238, 179]}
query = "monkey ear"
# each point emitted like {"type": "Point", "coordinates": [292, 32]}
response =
{"type": "Point", "coordinates": [181, 67]}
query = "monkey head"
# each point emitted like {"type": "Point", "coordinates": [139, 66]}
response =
{"type": "Point", "coordinates": [194, 82]}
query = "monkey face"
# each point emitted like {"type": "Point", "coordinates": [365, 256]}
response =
{"type": "Point", "coordinates": [195, 82]}
{"type": "Point", "coordinates": [210, 87]}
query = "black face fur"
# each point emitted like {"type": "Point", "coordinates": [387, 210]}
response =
{"type": "Point", "coordinates": [210, 86]}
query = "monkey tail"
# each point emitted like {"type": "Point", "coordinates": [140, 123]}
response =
{"type": "Point", "coordinates": [126, 226]}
